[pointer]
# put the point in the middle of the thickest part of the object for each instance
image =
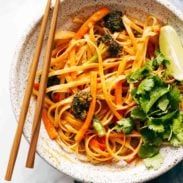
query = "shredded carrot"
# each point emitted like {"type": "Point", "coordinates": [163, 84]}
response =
{"type": "Point", "coordinates": [91, 34]}
{"type": "Point", "coordinates": [96, 144]}
{"type": "Point", "coordinates": [118, 93]}
{"type": "Point", "coordinates": [49, 126]}
{"type": "Point", "coordinates": [91, 21]}
{"type": "Point", "coordinates": [91, 111]}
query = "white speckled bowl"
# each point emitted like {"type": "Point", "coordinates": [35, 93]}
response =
{"type": "Point", "coordinates": [48, 149]}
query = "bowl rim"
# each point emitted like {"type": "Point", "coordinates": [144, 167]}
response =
{"type": "Point", "coordinates": [17, 54]}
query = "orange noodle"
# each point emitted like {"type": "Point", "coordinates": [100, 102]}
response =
{"type": "Point", "coordinates": [81, 63]}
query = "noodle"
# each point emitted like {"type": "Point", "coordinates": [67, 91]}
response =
{"type": "Point", "coordinates": [82, 63]}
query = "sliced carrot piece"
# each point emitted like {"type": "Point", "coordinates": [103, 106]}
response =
{"type": "Point", "coordinates": [118, 93]}
{"type": "Point", "coordinates": [48, 125]}
{"type": "Point", "coordinates": [91, 21]}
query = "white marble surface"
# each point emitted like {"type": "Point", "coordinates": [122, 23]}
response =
{"type": "Point", "coordinates": [14, 16]}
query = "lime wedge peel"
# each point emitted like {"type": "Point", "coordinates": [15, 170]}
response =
{"type": "Point", "coordinates": [171, 47]}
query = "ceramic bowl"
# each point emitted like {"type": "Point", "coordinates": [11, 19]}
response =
{"type": "Point", "coordinates": [49, 150]}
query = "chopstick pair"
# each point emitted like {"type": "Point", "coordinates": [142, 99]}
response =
{"type": "Point", "coordinates": [28, 92]}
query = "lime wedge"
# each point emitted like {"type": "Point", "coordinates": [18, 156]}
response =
{"type": "Point", "coordinates": [171, 47]}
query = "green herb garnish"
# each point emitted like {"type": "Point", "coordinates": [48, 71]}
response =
{"type": "Point", "coordinates": [154, 162]}
{"type": "Point", "coordinates": [157, 109]}
{"type": "Point", "coordinates": [126, 125]}
{"type": "Point", "coordinates": [148, 151]}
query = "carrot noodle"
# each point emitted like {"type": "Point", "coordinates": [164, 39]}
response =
{"type": "Point", "coordinates": [82, 63]}
{"type": "Point", "coordinates": [91, 21]}
{"type": "Point", "coordinates": [49, 126]}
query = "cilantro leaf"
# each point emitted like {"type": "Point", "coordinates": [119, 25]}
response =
{"type": "Point", "coordinates": [163, 119]}
{"type": "Point", "coordinates": [145, 85]}
{"type": "Point", "coordinates": [148, 151]}
{"type": "Point", "coordinates": [157, 128]}
{"type": "Point", "coordinates": [150, 137]}
{"type": "Point", "coordinates": [148, 67]}
{"type": "Point", "coordinates": [167, 135]}
{"type": "Point", "coordinates": [138, 113]}
{"type": "Point", "coordinates": [154, 95]}
{"type": "Point", "coordinates": [163, 103]}
{"type": "Point", "coordinates": [134, 95]}
{"type": "Point", "coordinates": [180, 136]}
{"type": "Point", "coordinates": [159, 82]}
{"type": "Point", "coordinates": [177, 128]}
{"type": "Point", "coordinates": [160, 59]}
{"type": "Point", "coordinates": [126, 125]}
{"type": "Point", "coordinates": [175, 142]}
{"type": "Point", "coordinates": [177, 125]}
{"type": "Point", "coordinates": [174, 97]}
{"type": "Point", "coordinates": [138, 75]}
{"type": "Point", "coordinates": [154, 162]}
{"type": "Point", "coordinates": [157, 112]}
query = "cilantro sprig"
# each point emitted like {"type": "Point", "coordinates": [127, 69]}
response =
{"type": "Point", "coordinates": [150, 66]}
{"type": "Point", "coordinates": [157, 112]}
{"type": "Point", "coordinates": [125, 125]}
{"type": "Point", "coordinates": [157, 108]}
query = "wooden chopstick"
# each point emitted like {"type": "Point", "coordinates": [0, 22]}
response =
{"type": "Point", "coordinates": [27, 96]}
{"type": "Point", "coordinates": [42, 88]}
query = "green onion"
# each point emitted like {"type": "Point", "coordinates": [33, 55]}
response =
{"type": "Point", "coordinates": [99, 127]}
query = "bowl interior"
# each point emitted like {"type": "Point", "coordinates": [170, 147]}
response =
{"type": "Point", "coordinates": [49, 150]}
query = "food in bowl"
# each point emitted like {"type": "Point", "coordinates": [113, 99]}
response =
{"type": "Point", "coordinates": [114, 89]}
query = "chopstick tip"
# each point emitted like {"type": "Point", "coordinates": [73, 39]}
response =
{"type": "Point", "coordinates": [29, 163]}
{"type": "Point", "coordinates": [8, 176]}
